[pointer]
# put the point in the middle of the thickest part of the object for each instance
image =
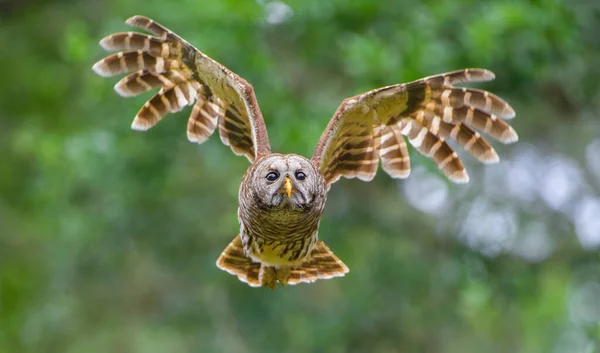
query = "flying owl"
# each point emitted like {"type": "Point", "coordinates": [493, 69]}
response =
{"type": "Point", "coordinates": [282, 196]}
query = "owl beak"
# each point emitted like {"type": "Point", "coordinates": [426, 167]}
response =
{"type": "Point", "coordinates": [287, 187]}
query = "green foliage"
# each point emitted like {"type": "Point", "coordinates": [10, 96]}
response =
{"type": "Point", "coordinates": [108, 237]}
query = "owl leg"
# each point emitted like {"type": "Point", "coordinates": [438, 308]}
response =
{"type": "Point", "coordinates": [267, 276]}
{"type": "Point", "coordinates": [283, 274]}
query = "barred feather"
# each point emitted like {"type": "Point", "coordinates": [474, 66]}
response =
{"type": "Point", "coordinates": [489, 124]}
{"type": "Point", "coordinates": [393, 152]}
{"type": "Point", "coordinates": [171, 100]}
{"type": "Point", "coordinates": [323, 264]}
{"type": "Point", "coordinates": [132, 41]}
{"type": "Point", "coordinates": [204, 119]}
{"type": "Point", "coordinates": [436, 148]}
{"type": "Point", "coordinates": [356, 154]}
{"type": "Point", "coordinates": [124, 62]}
{"type": "Point", "coordinates": [470, 97]}
{"type": "Point", "coordinates": [468, 139]}
{"type": "Point", "coordinates": [143, 80]}
{"type": "Point", "coordinates": [151, 26]}
{"type": "Point", "coordinates": [233, 132]}
{"type": "Point", "coordinates": [184, 75]}
{"type": "Point", "coordinates": [427, 111]}
{"type": "Point", "coordinates": [458, 76]}
{"type": "Point", "coordinates": [233, 261]}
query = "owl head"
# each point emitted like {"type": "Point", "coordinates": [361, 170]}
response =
{"type": "Point", "coordinates": [284, 181]}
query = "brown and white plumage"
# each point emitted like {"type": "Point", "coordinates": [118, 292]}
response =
{"type": "Point", "coordinates": [185, 76]}
{"type": "Point", "coordinates": [371, 126]}
{"type": "Point", "coordinates": [282, 197]}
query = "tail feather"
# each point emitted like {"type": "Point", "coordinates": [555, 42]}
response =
{"type": "Point", "coordinates": [234, 261]}
{"type": "Point", "coordinates": [322, 264]}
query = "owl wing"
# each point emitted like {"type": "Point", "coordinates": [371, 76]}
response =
{"type": "Point", "coordinates": [371, 126]}
{"type": "Point", "coordinates": [185, 76]}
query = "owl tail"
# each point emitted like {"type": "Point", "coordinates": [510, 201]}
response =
{"type": "Point", "coordinates": [322, 264]}
{"type": "Point", "coordinates": [234, 261]}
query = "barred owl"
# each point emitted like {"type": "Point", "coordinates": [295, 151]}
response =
{"type": "Point", "coordinates": [282, 197]}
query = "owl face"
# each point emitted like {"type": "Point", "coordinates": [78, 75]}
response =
{"type": "Point", "coordinates": [286, 181]}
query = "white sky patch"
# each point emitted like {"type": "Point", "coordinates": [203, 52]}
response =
{"type": "Point", "coordinates": [426, 192]}
{"type": "Point", "coordinates": [490, 230]}
{"type": "Point", "coordinates": [522, 174]}
{"type": "Point", "coordinates": [560, 183]}
{"type": "Point", "coordinates": [533, 243]}
{"type": "Point", "coordinates": [277, 12]}
{"type": "Point", "coordinates": [587, 222]}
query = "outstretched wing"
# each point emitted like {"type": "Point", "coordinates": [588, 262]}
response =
{"type": "Point", "coordinates": [185, 76]}
{"type": "Point", "coordinates": [371, 126]}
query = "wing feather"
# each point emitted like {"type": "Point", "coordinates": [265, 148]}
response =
{"type": "Point", "coordinates": [185, 76]}
{"type": "Point", "coordinates": [372, 126]}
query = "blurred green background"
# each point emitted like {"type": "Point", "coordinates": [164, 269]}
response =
{"type": "Point", "coordinates": [108, 237]}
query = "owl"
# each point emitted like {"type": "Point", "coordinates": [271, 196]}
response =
{"type": "Point", "coordinates": [282, 196]}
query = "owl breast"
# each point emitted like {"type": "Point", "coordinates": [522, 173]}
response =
{"type": "Point", "coordinates": [278, 237]}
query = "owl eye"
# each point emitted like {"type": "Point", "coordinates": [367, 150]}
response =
{"type": "Point", "coordinates": [300, 176]}
{"type": "Point", "coordinates": [272, 176]}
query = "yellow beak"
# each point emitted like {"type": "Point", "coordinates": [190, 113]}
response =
{"type": "Point", "coordinates": [287, 187]}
